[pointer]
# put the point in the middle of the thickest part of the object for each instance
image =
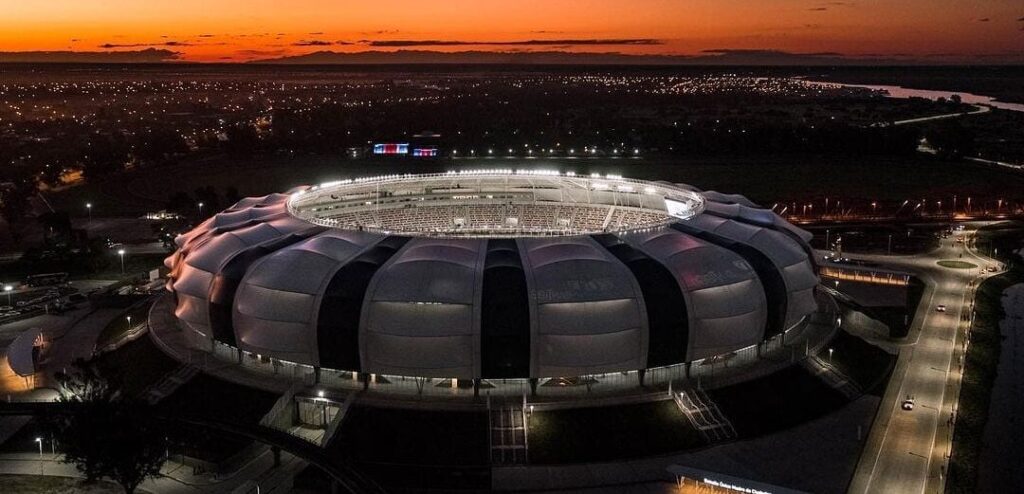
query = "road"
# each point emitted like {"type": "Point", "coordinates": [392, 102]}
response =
{"type": "Point", "coordinates": [907, 451]}
{"type": "Point", "coordinates": [977, 109]}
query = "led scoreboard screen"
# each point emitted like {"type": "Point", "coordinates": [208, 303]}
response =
{"type": "Point", "coordinates": [402, 148]}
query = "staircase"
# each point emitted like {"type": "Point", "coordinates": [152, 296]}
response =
{"type": "Point", "coordinates": [508, 432]}
{"type": "Point", "coordinates": [169, 383]}
{"type": "Point", "coordinates": [704, 415]}
{"type": "Point", "coordinates": [831, 376]}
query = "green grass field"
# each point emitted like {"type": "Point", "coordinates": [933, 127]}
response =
{"type": "Point", "coordinates": [956, 264]}
{"type": "Point", "coordinates": [120, 325]}
{"type": "Point", "coordinates": [37, 484]}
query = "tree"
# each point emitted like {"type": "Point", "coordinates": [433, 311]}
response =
{"type": "Point", "coordinates": [91, 400]}
{"type": "Point", "coordinates": [181, 203]}
{"type": "Point", "coordinates": [105, 434]}
{"type": "Point", "coordinates": [231, 195]}
{"type": "Point", "coordinates": [138, 449]}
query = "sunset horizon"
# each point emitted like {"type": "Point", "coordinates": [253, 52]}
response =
{"type": "Point", "coordinates": [912, 32]}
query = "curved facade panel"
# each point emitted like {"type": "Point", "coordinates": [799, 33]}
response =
{"type": "Point", "coordinates": [204, 256]}
{"type": "Point", "coordinates": [421, 315]}
{"type": "Point", "coordinates": [586, 309]}
{"type": "Point", "coordinates": [725, 299]}
{"type": "Point", "coordinates": [278, 301]}
{"type": "Point", "coordinates": [786, 255]}
{"type": "Point", "coordinates": [634, 289]}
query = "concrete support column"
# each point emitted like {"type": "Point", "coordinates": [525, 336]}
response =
{"type": "Point", "coordinates": [533, 386]}
{"type": "Point", "coordinates": [640, 375]}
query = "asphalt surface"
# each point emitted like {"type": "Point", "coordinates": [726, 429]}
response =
{"type": "Point", "coordinates": [906, 450]}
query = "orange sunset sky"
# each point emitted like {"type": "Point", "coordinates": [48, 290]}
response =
{"type": "Point", "coordinates": [242, 30]}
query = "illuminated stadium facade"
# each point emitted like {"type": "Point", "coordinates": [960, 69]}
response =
{"type": "Point", "coordinates": [491, 275]}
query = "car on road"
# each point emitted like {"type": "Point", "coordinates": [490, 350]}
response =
{"type": "Point", "coordinates": [991, 269]}
{"type": "Point", "coordinates": [940, 308]}
{"type": "Point", "coordinates": [908, 403]}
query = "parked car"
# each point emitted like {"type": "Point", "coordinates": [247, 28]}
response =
{"type": "Point", "coordinates": [940, 308]}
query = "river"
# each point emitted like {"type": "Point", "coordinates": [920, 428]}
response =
{"type": "Point", "coordinates": [904, 93]}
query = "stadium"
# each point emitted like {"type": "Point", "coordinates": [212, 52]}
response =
{"type": "Point", "coordinates": [491, 276]}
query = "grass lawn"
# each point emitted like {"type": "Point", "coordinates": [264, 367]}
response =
{"type": "Point", "coordinates": [610, 433]}
{"type": "Point", "coordinates": [119, 326]}
{"type": "Point", "coordinates": [78, 269]}
{"type": "Point", "coordinates": [979, 376]}
{"type": "Point", "coordinates": [38, 484]}
{"type": "Point", "coordinates": [205, 396]}
{"type": "Point", "coordinates": [868, 365]}
{"type": "Point", "coordinates": [899, 318]}
{"type": "Point", "coordinates": [778, 401]}
{"type": "Point", "coordinates": [417, 449]}
{"type": "Point", "coordinates": [957, 264]}
{"type": "Point", "coordinates": [415, 436]}
{"type": "Point", "coordinates": [138, 364]}
{"type": "Point", "coordinates": [1001, 241]}
{"type": "Point", "coordinates": [24, 440]}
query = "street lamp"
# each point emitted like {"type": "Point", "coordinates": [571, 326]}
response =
{"type": "Point", "coordinates": [830, 356]}
{"type": "Point", "coordinates": [88, 207]}
{"type": "Point", "coordinates": [120, 252]}
{"type": "Point", "coordinates": [8, 289]}
{"type": "Point", "coordinates": [200, 209]}
{"type": "Point", "coordinates": [40, 441]}
{"type": "Point", "coordinates": [129, 318]}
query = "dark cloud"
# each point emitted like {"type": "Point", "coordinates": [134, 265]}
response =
{"type": "Point", "coordinates": [312, 42]}
{"type": "Point", "coordinates": [149, 55]}
{"type": "Point", "coordinates": [720, 57]}
{"type": "Point", "coordinates": [1021, 19]}
{"type": "Point", "coordinates": [173, 44]}
{"type": "Point", "coordinates": [206, 35]}
{"type": "Point", "coordinates": [261, 53]}
{"type": "Point", "coordinates": [744, 51]}
{"type": "Point", "coordinates": [318, 33]}
{"type": "Point", "coordinates": [529, 42]}
{"type": "Point", "coordinates": [818, 9]}
{"type": "Point", "coordinates": [984, 19]}
{"type": "Point", "coordinates": [107, 46]}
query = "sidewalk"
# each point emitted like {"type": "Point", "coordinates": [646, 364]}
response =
{"type": "Point", "coordinates": [177, 478]}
